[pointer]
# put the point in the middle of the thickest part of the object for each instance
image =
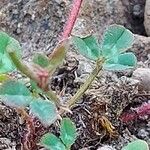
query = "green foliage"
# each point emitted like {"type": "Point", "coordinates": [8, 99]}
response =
{"type": "Point", "coordinates": [44, 110]}
{"type": "Point", "coordinates": [7, 44]}
{"type": "Point", "coordinates": [51, 142]}
{"type": "Point", "coordinates": [67, 135]}
{"type": "Point", "coordinates": [116, 40]}
{"type": "Point", "coordinates": [57, 56]}
{"type": "Point", "coordinates": [136, 145]}
{"type": "Point", "coordinates": [41, 59]}
{"type": "Point", "coordinates": [87, 46]}
{"type": "Point", "coordinates": [15, 94]}
{"type": "Point", "coordinates": [68, 132]}
{"type": "Point", "coordinates": [121, 62]}
{"type": "Point", "coordinates": [116, 37]}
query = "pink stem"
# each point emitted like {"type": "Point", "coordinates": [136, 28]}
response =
{"type": "Point", "coordinates": [71, 19]}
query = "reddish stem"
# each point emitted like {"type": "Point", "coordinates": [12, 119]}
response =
{"type": "Point", "coordinates": [29, 142]}
{"type": "Point", "coordinates": [71, 19]}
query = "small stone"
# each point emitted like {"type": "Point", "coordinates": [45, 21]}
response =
{"type": "Point", "coordinates": [137, 10]}
{"type": "Point", "coordinates": [143, 76]}
{"type": "Point", "coordinates": [106, 147]}
{"type": "Point", "coordinates": [143, 133]}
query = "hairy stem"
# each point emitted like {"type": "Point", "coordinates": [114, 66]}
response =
{"type": "Point", "coordinates": [87, 83]}
{"type": "Point", "coordinates": [85, 86]}
{"type": "Point", "coordinates": [71, 19]}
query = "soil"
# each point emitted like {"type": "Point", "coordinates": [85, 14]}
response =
{"type": "Point", "coordinates": [37, 24]}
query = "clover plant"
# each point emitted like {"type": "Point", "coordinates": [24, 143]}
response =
{"type": "Point", "coordinates": [116, 40]}
{"type": "Point", "coordinates": [109, 54]}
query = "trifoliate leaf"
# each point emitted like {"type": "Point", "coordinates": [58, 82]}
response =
{"type": "Point", "coordinates": [41, 60]}
{"type": "Point", "coordinates": [15, 94]}
{"type": "Point", "coordinates": [136, 145]}
{"type": "Point", "coordinates": [118, 38]}
{"type": "Point", "coordinates": [68, 132]}
{"type": "Point", "coordinates": [51, 142]}
{"type": "Point", "coordinates": [7, 44]}
{"type": "Point", "coordinates": [87, 46]}
{"type": "Point", "coordinates": [121, 62]}
{"type": "Point", "coordinates": [44, 110]}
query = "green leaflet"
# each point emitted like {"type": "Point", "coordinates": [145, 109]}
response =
{"type": "Point", "coordinates": [87, 46]}
{"type": "Point", "coordinates": [51, 142]}
{"type": "Point", "coordinates": [41, 60]}
{"type": "Point", "coordinates": [67, 137]}
{"type": "Point", "coordinates": [136, 145]}
{"type": "Point", "coordinates": [5, 63]}
{"type": "Point", "coordinates": [116, 37]}
{"type": "Point", "coordinates": [57, 56]}
{"type": "Point", "coordinates": [68, 132]}
{"type": "Point", "coordinates": [15, 94]}
{"type": "Point", "coordinates": [128, 59]}
{"type": "Point", "coordinates": [44, 110]}
{"type": "Point", "coordinates": [121, 62]}
{"type": "Point", "coordinates": [7, 44]}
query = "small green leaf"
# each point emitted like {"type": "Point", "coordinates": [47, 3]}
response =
{"type": "Point", "coordinates": [121, 62]}
{"type": "Point", "coordinates": [51, 142]}
{"type": "Point", "coordinates": [44, 110]}
{"type": "Point", "coordinates": [117, 38]}
{"type": "Point", "coordinates": [136, 145]}
{"type": "Point", "coordinates": [87, 46]}
{"type": "Point", "coordinates": [41, 60]}
{"type": "Point", "coordinates": [68, 132]}
{"type": "Point", "coordinates": [128, 59]}
{"type": "Point", "coordinates": [57, 56]}
{"type": "Point", "coordinates": [6, 64]}
{"type": "Point", "coordinates": [7, 44]}
{"type": "Point", "coordinates": [15, 94]}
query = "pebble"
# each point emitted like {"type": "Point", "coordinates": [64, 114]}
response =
{"type": "Point", "coordinates": [106, 147]}
{"type": "Point", "coordinates": [143, 76]}
{"type": "Point", "coordinates": [143, 133]}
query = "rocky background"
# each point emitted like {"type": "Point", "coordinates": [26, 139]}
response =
{"type": "Point", "coordinates": [37, 25]}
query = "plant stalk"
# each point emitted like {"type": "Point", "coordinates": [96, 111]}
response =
{"type": "Point", "coordinates": [71, 19]}
{"type": "Point", "coordinates": [87, 83]}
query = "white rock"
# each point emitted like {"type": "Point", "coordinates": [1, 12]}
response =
{"type": "Point", "coordinates": [106, 147]}
{"type": "Point", "coordinates": [143, 75]}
